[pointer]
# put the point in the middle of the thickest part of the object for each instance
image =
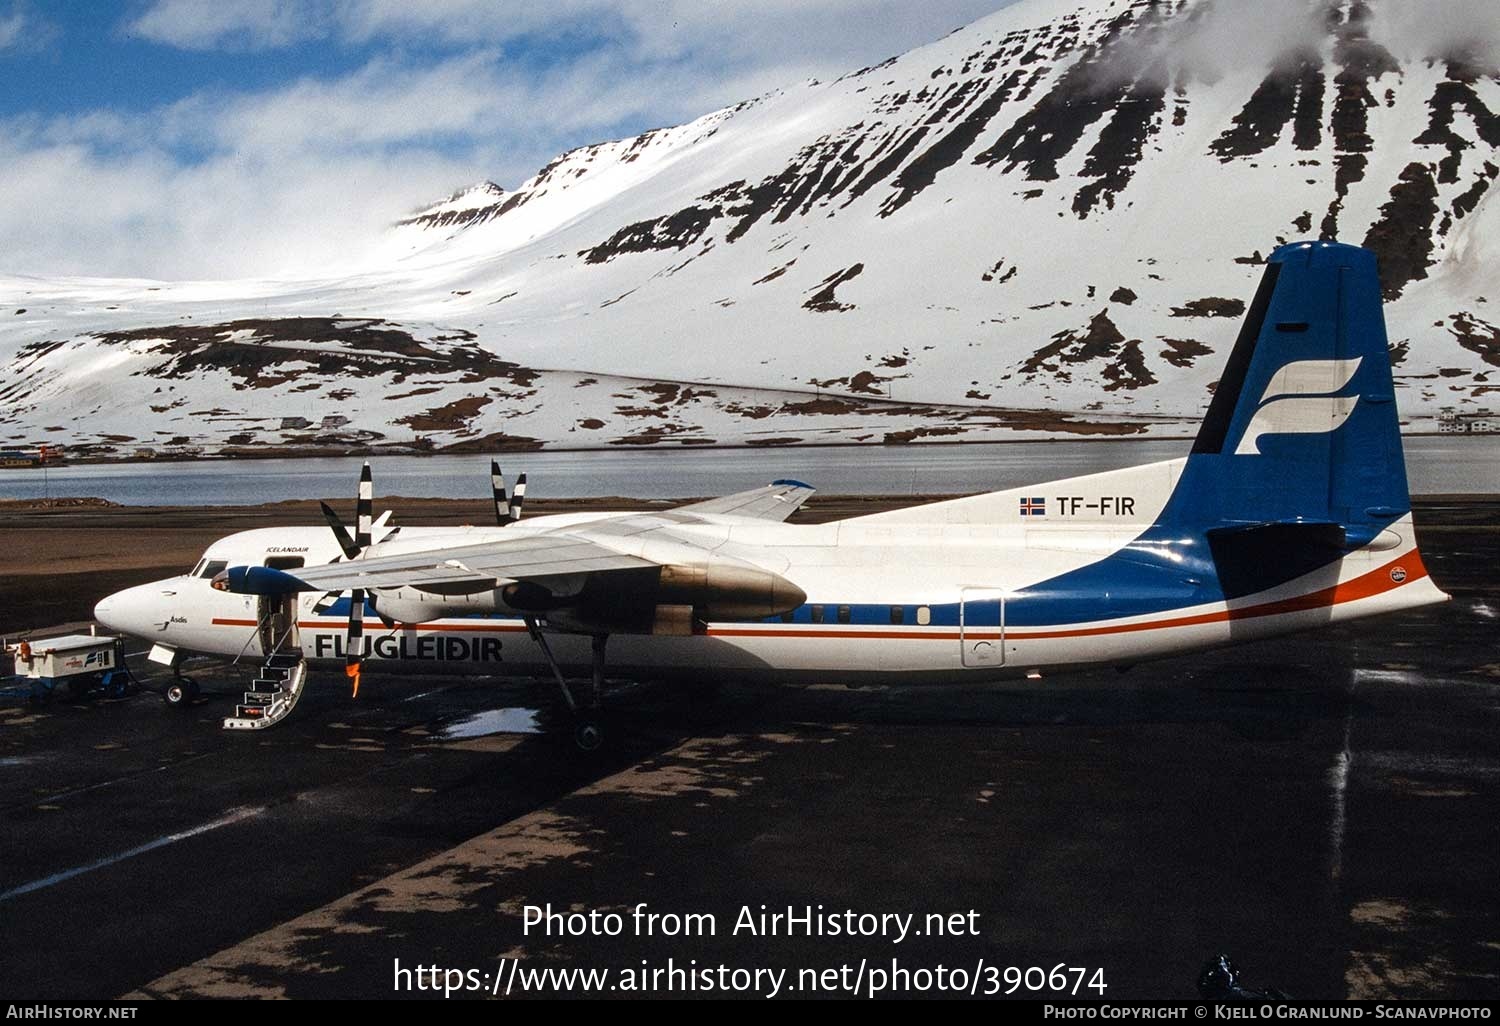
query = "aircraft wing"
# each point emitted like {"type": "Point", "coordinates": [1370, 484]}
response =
{"type": "Point", "coordinates": [776, 501]}
{"type": "Point", "coordinates": [469, 568]}
{"type": "Point", "coordinates": [454, 569]}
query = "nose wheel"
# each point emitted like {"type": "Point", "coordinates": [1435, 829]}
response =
{"type": "Point", "coordinates": [181, 693]}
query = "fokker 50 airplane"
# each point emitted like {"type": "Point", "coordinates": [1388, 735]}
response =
{"type": "Point", "coordinates": [1291, 511]}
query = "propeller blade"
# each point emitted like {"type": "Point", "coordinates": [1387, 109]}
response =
{"type": "Point", "coordinates": [340, 531]}
{"type": "Point", "coordinates": [354, 649]}
{"type": "Point", "coordinates": [354, 645]}
{"type": "Point", "coordinates": [518, 498]}
{"type": "Point", "coordinates": [326, 603]}
{"type": "Point", "coordinates": [497, 490]}
{"type": "Point", "coordinates": [364, 509]}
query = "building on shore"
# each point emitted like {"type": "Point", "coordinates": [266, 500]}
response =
{"type": "Point", "coordinates": [40, 456]}
{"type": "Point", "coordinates": [1477, 422]}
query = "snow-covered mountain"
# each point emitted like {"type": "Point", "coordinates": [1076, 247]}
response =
{"type": "Point", "coordinates": [1046, 223]}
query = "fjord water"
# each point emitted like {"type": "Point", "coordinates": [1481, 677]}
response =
{"type": "Point", "coordinates": [1435, 464]}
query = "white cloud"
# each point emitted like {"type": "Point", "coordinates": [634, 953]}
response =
{"type": "Point", "coordinates": [295, 177]}
{"type": "Point", "coordinates": [836, 34]}
{"type": "Point", "coordinates": [251, 24]}
{"type": "Point", "coordinates": [75, 211]}
{"type": "Point", "coordinates": [1440, 29]}
{"type": "Point", "coordinates": [763, 31]}
{"type": "Point", "coordinates": [21, 28]}
{"type": "Point", "coordinates": [11, 26]}
{"type": "Point", "coordinates": [1215, 39]}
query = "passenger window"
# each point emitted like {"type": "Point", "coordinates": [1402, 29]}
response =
{"type": "Point", "coordinates": [924, 615]}
{"type": "Point", "coordinates": [214, 567]}
{"type": "Point", "coordinates": [843, 614]}
{"type": "Point", "coordinates": [285, 562]}
{"type": "Point", "coordinates": [817, 614]}
{"type": "Point", "coordinates": [898, 614]}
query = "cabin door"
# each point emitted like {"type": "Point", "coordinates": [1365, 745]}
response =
{"type": "Point", "coordinates": [981, 626]}
{"type": "Point", "coordinates": [277, 614]}
{"type": "Point", "coordinates": [277, 617]}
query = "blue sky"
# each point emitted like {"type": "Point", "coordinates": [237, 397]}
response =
{"type": "Point", "coordinates": [70, 57]}
{"type": "Point", "coordinates": [190, 138]}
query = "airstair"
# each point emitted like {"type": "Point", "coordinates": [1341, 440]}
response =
{"type": "Point", "coordinates": [273, 694]}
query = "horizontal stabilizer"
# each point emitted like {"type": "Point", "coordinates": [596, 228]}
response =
{"type": "Point", "coordinates": [776, 501]}
{"type": "Point", "coordinates": [1256, 557]}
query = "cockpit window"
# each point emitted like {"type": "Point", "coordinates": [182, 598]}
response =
{"type": "Point", "coordinates": [197, 569]}
{"type": "Point", "coordinates": [211, 568]}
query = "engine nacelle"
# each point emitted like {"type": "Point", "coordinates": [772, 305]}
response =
{"type": "Point", "coordinates": [412, 605]}
{"type": "Point", "coordinates": [730, 591]}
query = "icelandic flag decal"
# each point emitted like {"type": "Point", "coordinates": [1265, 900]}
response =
{"type": "Point", "coordinates": [1033, 507]}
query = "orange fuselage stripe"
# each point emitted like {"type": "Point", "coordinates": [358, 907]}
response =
{"type": "Point", "coordinates": [1375, 582]}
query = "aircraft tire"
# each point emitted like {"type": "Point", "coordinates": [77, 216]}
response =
{"type": "Point", "coordinates": [180, 693]}
{"type": "Point", "coordinates": [588, 734]}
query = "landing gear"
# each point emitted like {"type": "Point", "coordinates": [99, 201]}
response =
{"type": "Point", "coordinates": [181, 693]}
{"type": "Point", "coordinates": [588, 728]}
{"type": "Point", "coordinates": [599, 641]}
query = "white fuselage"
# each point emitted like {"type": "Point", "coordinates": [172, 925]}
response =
{"type": "Point", "coordinates": [930, 593]}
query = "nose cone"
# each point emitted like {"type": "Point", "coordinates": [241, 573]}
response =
{"type": "Point", "coordinates": [107, 609]}
{"type": "Point", "coordinates": [140, 611]}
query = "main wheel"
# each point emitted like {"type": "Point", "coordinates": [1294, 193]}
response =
{"type": "Point", "coordinates": [588, 734]}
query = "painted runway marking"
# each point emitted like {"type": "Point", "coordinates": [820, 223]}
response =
{"type": "Point", "coordinates": [424, 694]}
{"type": "Point", "coordinates": [161, 842]}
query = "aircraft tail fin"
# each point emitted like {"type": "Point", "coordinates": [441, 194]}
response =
{"type": "Point", "coordinates": [1303, 428]}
